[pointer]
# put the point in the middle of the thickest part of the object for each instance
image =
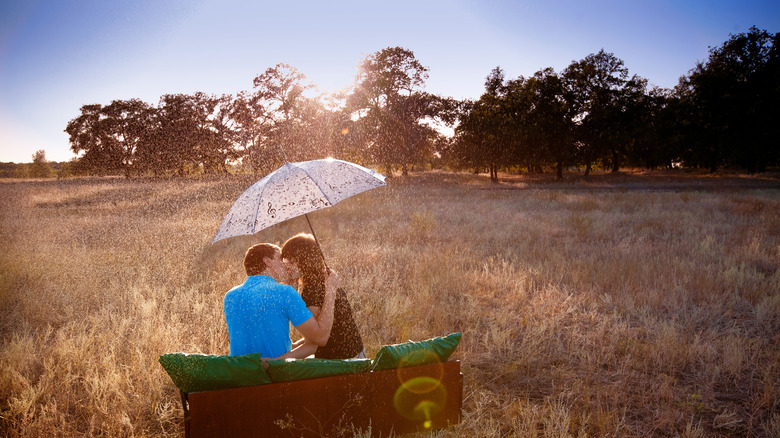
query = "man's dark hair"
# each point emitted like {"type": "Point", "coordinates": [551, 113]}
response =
{"type": "Point", "coordinates": [253, 259]}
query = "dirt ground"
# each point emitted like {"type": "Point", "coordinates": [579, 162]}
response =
{"type": "Point", "coordinates": [647, 180]}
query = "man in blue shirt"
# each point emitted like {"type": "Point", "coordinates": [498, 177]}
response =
{"type": "Point", "coordinates": [259, 311]}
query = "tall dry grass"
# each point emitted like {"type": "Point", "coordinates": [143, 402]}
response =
{"type": "Point", "coordinates": [587, 308]}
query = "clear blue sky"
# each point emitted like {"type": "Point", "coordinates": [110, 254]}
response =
{"type": "Point", "coordinates": [57, 55]}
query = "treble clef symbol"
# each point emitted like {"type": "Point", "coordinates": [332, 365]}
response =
{"type": "Point", "coordinates": [271, 211]}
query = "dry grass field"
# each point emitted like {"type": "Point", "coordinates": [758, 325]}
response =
{"type": "Point", "coordinates": [638, 304]}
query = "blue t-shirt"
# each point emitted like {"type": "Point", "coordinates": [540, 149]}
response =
{"type": "Point", "coordinates": [258, 315]}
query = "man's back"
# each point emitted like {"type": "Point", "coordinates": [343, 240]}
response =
{"type": "Point", "coordinates": [258, 315]}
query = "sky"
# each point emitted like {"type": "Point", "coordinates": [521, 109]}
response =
{"type": "Point", "coordinates": [58, 55]}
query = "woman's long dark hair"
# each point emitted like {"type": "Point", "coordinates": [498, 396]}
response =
{"type": "Point", "coordinates": [303, 251]}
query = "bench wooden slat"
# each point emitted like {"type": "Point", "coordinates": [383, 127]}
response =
{"type": "Point", "coordinates": [406, 400]}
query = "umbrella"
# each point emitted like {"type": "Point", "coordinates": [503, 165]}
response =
{"type": "Point", "coordinates": [293, 190]}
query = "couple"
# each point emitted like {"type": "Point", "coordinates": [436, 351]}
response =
{"type": "Point", "coordinates": [259, 311]}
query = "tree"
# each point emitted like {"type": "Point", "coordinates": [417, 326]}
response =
{"type": "Point", "coordinates": [482, 136]}
{"type": "Point", "coordinates": [218, 147]}
{"type": "Point", "coordinates": [596, 84]}
{"type": "Point", "coordinates": [668, 125]}
{"type": "Point", "coordinates": [476, 141]}
{"type": "Point", "coordinates": [109, 136]}
{"type": "Point", "coordinates": [517, 104]}
{"type": "Point", "coordinates": [549, 123]}
{"type": "Point", "coordinates": [624, 116]}
{"type": "Point", "coordinates": [169, 143]}
{"type": "Point", "coordinates": [280, 94]}
{"type": "Point", "coordinates": [124, 124]}
{"type": "Point", "coordinates": [735, 95]}
{"type": "Point", "coordinates": [250, 124]}
{"type": "Point", "coordinates": [650, 129]}
{"type": "Point", "coordinates": [187, 133]}
{"type": "Point", "coordinates": [210, 136]}
{"type": "Point", "coordinates": [90, 133]}
{"type": "Point", "coordinates": [388, 103]}
{"type": "Point", "coordinates": [319, 130]}
{"type": "Point", "coordinates": [40, 167]}
{"type": "Point", "coordinates": [518, 122]}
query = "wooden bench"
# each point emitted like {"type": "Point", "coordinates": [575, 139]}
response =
{"type": "Point", "coordinates": [404, 400]}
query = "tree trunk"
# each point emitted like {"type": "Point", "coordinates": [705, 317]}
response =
{"type": "Point", "coordinates": [713, 159]}
{"type": "Point", "coordinates": [559, 170]}
{"type": "Point", "coordinates": [615, 162]}
{"type": "Point", "coordinates": [713, 164]}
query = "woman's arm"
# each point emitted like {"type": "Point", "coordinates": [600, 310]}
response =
{"type": "Point", "coordinates": [317, 328]}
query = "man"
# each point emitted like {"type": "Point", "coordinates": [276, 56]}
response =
{"type": "Point", "coordinates": [259, 311]}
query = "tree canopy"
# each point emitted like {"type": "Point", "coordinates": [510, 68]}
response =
{"type": "Point", "coordinates": [592, 113]}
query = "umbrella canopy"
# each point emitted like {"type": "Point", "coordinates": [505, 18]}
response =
{"type": "Point", "coordinates": [293, 190]}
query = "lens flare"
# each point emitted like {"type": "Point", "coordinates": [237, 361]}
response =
{"type": "Point", "coordinates": [420, 399]}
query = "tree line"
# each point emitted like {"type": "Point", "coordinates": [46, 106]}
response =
{"type": "Point", "coordinates": [722, 113]}
{"type": "Point", "coordinates": [39, 168]}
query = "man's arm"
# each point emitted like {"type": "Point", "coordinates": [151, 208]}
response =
{"type": "Point", "coordinates": [305, 349]}
{"type": "Point", "coordinates": [315, 311]}
{"type": "Point", "coordinates": [316, 330]}
{"type": "Point", "coordinates": [301, 348]}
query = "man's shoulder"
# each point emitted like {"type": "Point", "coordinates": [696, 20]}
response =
{"type": "Point", "coordinates": [264, 283]}
{"type": "Point", "coordinates": [252, 282]}
{"type": "Point", "coordinates": [280, 289]}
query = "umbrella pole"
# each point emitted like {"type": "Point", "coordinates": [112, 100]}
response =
{"type": "Point", "coordinates": [284, 154]}
{"type": "Point", "coordinates": [317, 242]}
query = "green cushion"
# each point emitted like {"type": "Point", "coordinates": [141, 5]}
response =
{"type": "Point", "coordinates": [299, 369]}
{"type": "Point", "coordinates": [205, 372]}
{"type": "Point", "coordinates": [416, 353]}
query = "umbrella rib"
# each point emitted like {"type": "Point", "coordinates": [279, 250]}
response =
{"type": "Point", "coordinates": [315, 183]}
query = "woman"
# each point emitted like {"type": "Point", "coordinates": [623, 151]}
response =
{"type": "Point", "coordinates": [305, 262]}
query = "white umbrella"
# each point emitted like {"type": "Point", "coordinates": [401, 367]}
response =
{"type": "Point", "coordinates": [293, 190]}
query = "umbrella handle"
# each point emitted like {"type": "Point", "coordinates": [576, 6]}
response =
{"type": "Point", "coordinates": [317, 242]}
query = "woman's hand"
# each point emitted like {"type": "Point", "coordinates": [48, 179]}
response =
{"type": "Point", "coordinates": [332, 280]}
